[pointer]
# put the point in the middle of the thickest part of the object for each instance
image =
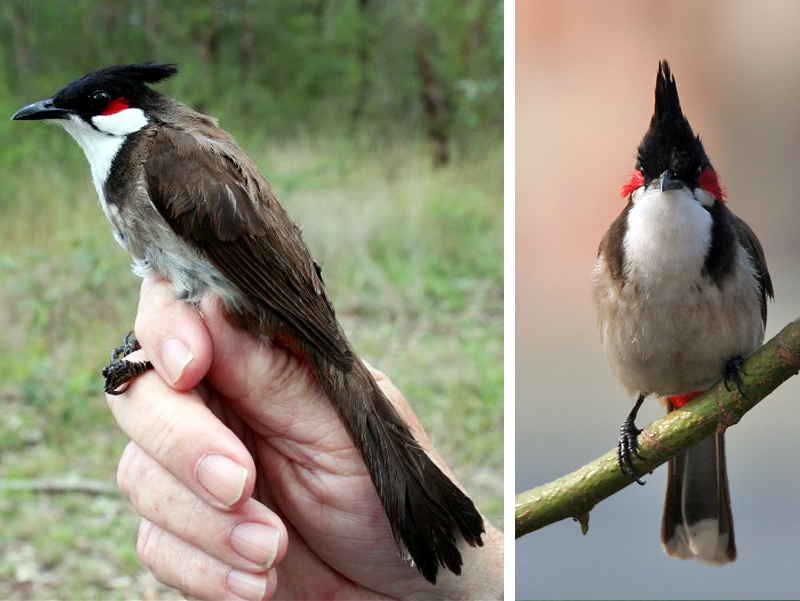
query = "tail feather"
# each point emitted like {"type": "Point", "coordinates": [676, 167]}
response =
{"type": "Point", "coordinates": [697, 513]}
{"type": "Point", "coordinates": [425, 509]}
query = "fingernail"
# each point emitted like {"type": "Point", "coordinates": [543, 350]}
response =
{"type": "Point", "coordinates": [223, 478]}
{"type": "Point", "coordinates": [247, 586]}
{"type": "Point", "coordinates": [256, 542]}
{"type": "Point", "coordinates": [175, 356]}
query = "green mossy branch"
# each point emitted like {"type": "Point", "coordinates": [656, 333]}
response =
{"type": "Point", "coordinates": [576, 494]}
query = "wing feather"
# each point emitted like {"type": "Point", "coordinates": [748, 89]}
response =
{"type": "Point", "coordinates": [224, 207]}
{"type": "Point", "coordinates": [749, 241]}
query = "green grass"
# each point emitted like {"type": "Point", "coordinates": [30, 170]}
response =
{"type": "Point", "coordinates": [412, 257]}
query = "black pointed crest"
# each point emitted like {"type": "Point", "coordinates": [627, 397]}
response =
{"type": "Point", "coordinates": [668, 105]}
{"type": "Point", "coordinates": [127, 81]}
{"type": "Point", "coordinates": [142, 73]}
{"type": "Point", "coordinates": [670, 144]}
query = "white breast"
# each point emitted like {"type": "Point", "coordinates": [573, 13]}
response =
{"type": "Point", "coordinates": [667, 240]}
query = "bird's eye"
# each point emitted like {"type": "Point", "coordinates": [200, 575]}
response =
{"type": "Point", "coordinates": [100, 99]}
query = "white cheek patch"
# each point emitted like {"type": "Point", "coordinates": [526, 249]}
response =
{"type": "Point", "coordinates": [703, 197]}
{"type": "Point", "coordinates": [121, 123]}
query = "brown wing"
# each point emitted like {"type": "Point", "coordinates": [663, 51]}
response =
{"type": "Point", "coordinates": [611, 244]}
{"type": "Point", "coordinates": [225, 208]}
{"type": "Point", "coordinates": [748, 240]}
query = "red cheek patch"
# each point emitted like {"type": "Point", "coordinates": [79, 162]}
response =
{"type": "Point", "coordinates": [115, 106]}
{"type": "Point", "coordinates": [636, 181]}
{"type": "Point", "coordinates": [709, 181]}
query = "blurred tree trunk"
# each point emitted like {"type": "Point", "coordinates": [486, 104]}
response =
{"type": "Point", "coordinates": [247, 40]}
{"type": "Point", "coordinates": [318, 10]}
{"type": "Point", "coordinates": [476, 35]}
{"type": "Point", "coordinates": [153, 30]}
{"type": "Point", "coordinates": [21, 47]}
{"type": "Point", "coordinates": [206, 32]}
{"type": "Point", "coordinates": [363, 56]}
{"type": "Point", "coordinates": [433, 97]}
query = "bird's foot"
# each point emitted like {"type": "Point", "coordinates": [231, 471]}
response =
{"type": "Point", "coordinates": [628, 445]}
{"type": "Point", "coordinates": [119, 372]}
{"type": "Point", "coordinates": [733, 373]}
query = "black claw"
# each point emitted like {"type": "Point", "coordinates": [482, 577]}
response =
{"type": "Point", "coordinates": [119, 372]}
{"type": "Point", "coordinates": [129, 345]}
{"type": "Point", "coordinates": [627, 444]}
{"type": "Point", "coordinates": [733, 373]}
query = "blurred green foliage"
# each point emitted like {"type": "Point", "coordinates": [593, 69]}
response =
{"type": "Point", "coordinates": [285, 65]}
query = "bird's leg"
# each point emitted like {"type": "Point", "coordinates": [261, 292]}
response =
{"type": "Point", "coordinates": [627, 442]}
{"type": "Point", "coordinates": [119, 372]}
{"type": "Point", "coordinates": [733, 371]}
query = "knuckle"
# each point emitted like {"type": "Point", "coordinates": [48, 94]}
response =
{"type": "Point", "coordinates": [167, 437]}
{"type": "Point", "coordinates": [147, 545]}
{"type": "Point", "coordinates": [178, 565]}
{"type": "Point", "coordinates": [126, 470]}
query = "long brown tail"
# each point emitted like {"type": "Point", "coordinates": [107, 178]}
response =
{"type": "Point", "coordinates": [425, 509]}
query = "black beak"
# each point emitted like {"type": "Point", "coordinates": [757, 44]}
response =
{"type": "Point", "coordinates": [43, 109]}
{"type": "Point", "coordinates": [669, 181]}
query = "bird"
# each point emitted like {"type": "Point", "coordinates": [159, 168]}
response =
{"type": "Point", "coordinates": [680, 288]}
{"type": "Point", "coordinates": [189, 206]}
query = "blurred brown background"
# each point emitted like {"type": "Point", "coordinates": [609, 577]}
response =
{"type": "Point", "coordinates": [585, 74]}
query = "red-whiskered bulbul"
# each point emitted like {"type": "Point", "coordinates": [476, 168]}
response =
{"type": "Point", "coordinates": [190, 206]}
{"type": "Point", "coordinates": [680, 288]}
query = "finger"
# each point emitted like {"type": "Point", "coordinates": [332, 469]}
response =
{"type": "Point", "coordinates": [252, 538]}
{"type": "Point", "coordinates": [196, 574]}
{"type": "Point", "coordinates": [181, 433]}
{"type": "Point", "coordinates": [172, 334]}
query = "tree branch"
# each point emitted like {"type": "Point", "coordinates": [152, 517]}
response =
{"type": "Point", "coordinates": [576, 494]}
{"type": "Point", "coordinates": [59, 485]}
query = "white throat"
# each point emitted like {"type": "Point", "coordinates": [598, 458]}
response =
{"type": "Point", "coordinates": [101, 145]}
{"type": "Point", "coordinates": [668, 236]}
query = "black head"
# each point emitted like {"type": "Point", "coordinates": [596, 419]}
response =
{"type": "Point", "coordinates": [102, 92]}
{"type": "Point", "coordinates": [670, 144]}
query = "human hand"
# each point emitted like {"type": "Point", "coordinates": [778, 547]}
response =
{"type": "Point", "coordinates": [227, 407]}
